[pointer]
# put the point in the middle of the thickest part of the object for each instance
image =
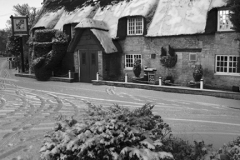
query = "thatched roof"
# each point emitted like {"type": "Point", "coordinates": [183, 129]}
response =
{"type": "Point", "coordinates": [170, 17]}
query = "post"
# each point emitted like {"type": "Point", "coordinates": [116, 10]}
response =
{"type": "Point", "coordinates": [53, 73]}
{"type": "Point", "coordinates": [126, 78]}
{"type": "Point", "coordinates": [97, 76]}
{"type": "Point", "coordinates": [201, 84]}
{"type": "Point", "coordinates": [160, 81]}
{"type": "Point", "coordinates": [22, 54]}
{"type": "Point", "coordinates": [69, 74]}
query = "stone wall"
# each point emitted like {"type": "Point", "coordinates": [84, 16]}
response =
{"type": "Point", "coordinates": [205, 47]}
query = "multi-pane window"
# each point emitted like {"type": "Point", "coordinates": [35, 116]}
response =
{"type": "Point", "coordinates": [135, 26]}
{"type": "Point", "coordinates": [224, 23]}
{"type": "Point", "coordinates": [227, 64]}
{"type": "Point", "coordinates": [130, 59]}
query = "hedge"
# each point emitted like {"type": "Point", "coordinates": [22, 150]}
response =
{"type": "Point", "coordinates": [44, 35]}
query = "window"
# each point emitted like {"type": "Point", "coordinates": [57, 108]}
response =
{"type": "Point", "coordinates": [130, 58]}
{"type": "Point", "coordinates": [135, 26]}
{"type": "Point", "coordinates": [224, 23]}
{"type": "Point", "coordinates": [93, 59]}
{"type": "Point", "coordinates": [227, 64]}
{"type": "Point", "coordinates": [192, 57]}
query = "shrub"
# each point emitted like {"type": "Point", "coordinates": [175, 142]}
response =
{"type": "Point", "coordinates": [137, 67]}
{"type": "Point", "coordinates": [44, 35]}
{"type": "Point", "coordinates": [168, 58]}
{"type": "Point", "coordinates": [38, 62]}
{"type": "Point", "coordinates": [41, 49]}
{"type": "Point", "coordinates": [14, 46]}
{"type": "Point", "coordinates": [169, 61]}
{"type": "Point", "coordinates": [42, 74]}
{"type": "Point", "coordinates": [197, 73]}
{"type": "Point", "coordinates": [111, 133]}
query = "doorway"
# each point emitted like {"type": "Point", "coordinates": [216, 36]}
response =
{"type": "Point", "coordinates": [88, 65]}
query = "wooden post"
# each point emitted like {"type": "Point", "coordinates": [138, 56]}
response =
{"type": "Point", "coordinates": [21, 52]}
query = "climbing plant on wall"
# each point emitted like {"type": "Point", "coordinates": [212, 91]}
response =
{"type": "Point", "coordinates": [168, 58]}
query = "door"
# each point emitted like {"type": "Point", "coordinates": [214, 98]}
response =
{"type": "Point", "coordinates": [88, 65]}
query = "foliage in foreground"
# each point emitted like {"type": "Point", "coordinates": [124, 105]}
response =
{"type": "Point", "coordinates": [112, 133]}
{"type": "Point", "coordinates": [116, 133]}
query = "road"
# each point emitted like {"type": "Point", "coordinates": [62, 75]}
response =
{"type": "Point", "coordinates": [29, 109]}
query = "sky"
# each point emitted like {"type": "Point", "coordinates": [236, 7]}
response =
{"type": "Point", "coordinates": [6, 8]}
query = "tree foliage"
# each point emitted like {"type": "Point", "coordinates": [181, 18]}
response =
{"type": "Point", "coordinates": [235, 14]}
{"type": "Point", "coordinates": [25, 9]}
{"type": "Point", "coordinates": [3, 40]}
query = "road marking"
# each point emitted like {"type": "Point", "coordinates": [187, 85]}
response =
{"type": "Point", "coordinates": [202, 121]}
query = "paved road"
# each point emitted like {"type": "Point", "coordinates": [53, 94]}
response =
{"type": "Point", "coordinates": [29, 109]}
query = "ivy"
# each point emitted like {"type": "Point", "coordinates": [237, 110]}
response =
{"type": "Point", "coordinates": [168, 58]}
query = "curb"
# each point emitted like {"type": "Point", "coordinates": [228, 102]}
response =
{"type": "Point", "coordinates": [60, 79]}
{"type": "Point", "coordinates": [174, 89]}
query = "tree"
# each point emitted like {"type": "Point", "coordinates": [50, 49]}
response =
{"type": "Point", "coordinates": [235, 14]}
{"type": "Point", "coordinates": [25, 9]}
{"type": "Point", "coordinates": [3, 41]}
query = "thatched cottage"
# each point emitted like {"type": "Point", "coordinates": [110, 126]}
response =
{"type": "Point", "coordinates": [107, 36]}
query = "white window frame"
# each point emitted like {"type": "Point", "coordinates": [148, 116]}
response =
{"type": "Point", "coordinates": [223, 14]}
{"type": "Point", "coordinates": [129, 64]}
{"type": "Point", "coordinates": [134, 26]}
{"type": "Point", "coordinates": [227, 66]}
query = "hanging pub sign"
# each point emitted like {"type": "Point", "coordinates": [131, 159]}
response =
{"type": "Point", "coordinates": [19, 25]}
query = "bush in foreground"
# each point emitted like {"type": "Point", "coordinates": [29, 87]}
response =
{"type": "Point", "coordinates": [116, 133]}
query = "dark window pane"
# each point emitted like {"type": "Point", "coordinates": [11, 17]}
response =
{"type": "Point", "coordinates": [225, 69]}
{"type": "Point", "coordinates": [230, 70]}
{"type": "Point", "coordinates": [93, 58]}
{"type": "Point", "coordinates": [83, 58]}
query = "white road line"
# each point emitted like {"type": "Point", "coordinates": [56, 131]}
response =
{"type": "Point", "coordinates": [202, 121]}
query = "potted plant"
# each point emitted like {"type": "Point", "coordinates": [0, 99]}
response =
{"type": "Point", "coordinates": [137, 68]}
{"type": "Point", "coordinates": [198, 73]}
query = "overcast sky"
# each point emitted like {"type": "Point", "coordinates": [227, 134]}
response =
{"type": "Point", "coordinates": [6, 8]}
